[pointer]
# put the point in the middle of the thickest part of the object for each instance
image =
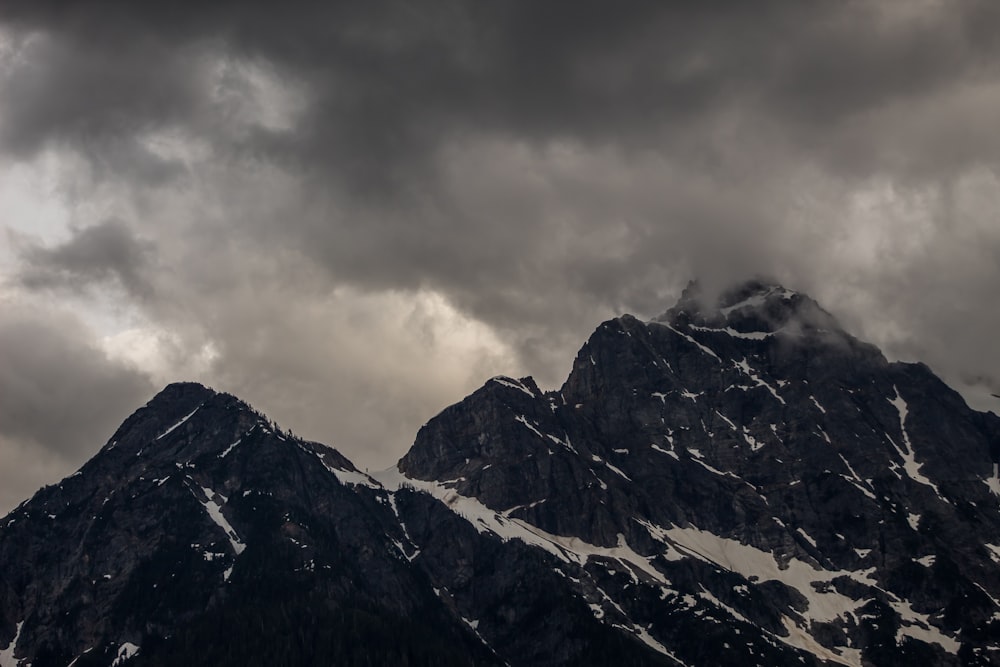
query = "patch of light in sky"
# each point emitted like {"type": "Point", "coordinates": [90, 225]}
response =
{"type": "Point", "coordinates": [256, 94]}
{"type": "Point", "coordinates": [886, 224]}
{"type": "Point", "coordinates": [29, 199]}
{"type": "Point", "coordinates": [426, 318]}
{"type": "Point", "coordinates": [175, 146]}
{"type": "Point", "coordinates": [978, 190]}
{"type": "Point", "coordinates": [30, 204]}
{"type": "Point", "coordinates": [159, 352]}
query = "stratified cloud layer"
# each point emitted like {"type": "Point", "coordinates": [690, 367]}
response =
{"type": "Point", "coordinates": [353, 213]}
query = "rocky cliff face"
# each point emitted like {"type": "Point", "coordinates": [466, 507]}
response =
{"type": "Point", "coordinates": [202, 534]}
{"type": "Point", "coordinates": [750, 463]}
{"type": "Point", "coordinates": [738, 481]}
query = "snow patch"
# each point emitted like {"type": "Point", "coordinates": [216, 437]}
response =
{"type": "Point", "coordinates": [171, 429]}
{"type": "Point", "coordinates": [856, 480]}
{"type": "Point", "coordinates": [506, 528]}
{"type": "Point", "coordinates": [7, 658]}
{"type": "Point", "coordinates": [806, 537]}
{"type": "Point", "coordinates": [230, 448]}
{"type": "Point", "coordinates": [617, 471]}
{"type": "Point", "coordinates": [77, 658]}
{"type": "Point", "coordinates": [910, 464]}
{"type": "Point", "coordinates": [729, 331]}
{"type": "Point", "coordinates": [744, 367]}
{"type": "Point", "coordinates": [524, 420]}
{"type": "Point", "coordinates": [346, 477]}
{"type": "Point", "coordinates": [691, 340]}
{"type": "Point", "coordinates": [707, 596]}
{"type": "Point", "coordinates": [125, 651]}
{"type": "Point", "coordinates": [754, 443]}
{"type": "Point", "coordinates": [567, 444]}
{"type": "Point", "coordinates": [825, 604]}
{"type": "Point", "coordinates": [727, 420]}
{"type": "Point", "coordinates": [994, 482]}
{"type": "Point", "coordinates": [647, 639]}
{"type": "Point", "coordinates": [513, 384]}
{"type": "Point", "coordinates": [917, 626]}
{"type": "Point", "coordinates": [214, 510]}
{"type": "Point", "coordinates": [801, 639]}
{"type": "Point", "coordinates": [406, 532]}
{"type": "Point", "coordinates": [670, 452]}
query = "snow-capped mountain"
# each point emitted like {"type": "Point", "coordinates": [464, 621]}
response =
{"type": "Point", "coordinates": [737, 482]}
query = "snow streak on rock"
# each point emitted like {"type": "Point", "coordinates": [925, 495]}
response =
{"type": "Point", "coordinates": [214, 510]}
{"type": "Point", "coordinates": [172, 428]}
{"type": "Point", "coordinates": [7, 658]}
{"type": "Point", "coordinates": [910, 465]}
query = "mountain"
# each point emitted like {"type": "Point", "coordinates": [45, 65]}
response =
{"type": "Point", "coordinates": [201, 533]}
{"type": "Point", "coordinates": [736, 482]}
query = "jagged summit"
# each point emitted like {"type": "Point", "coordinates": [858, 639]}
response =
{"type": "Point", "coordinates": [755, 306]}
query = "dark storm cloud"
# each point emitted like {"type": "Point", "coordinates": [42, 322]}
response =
{"type": "Point", "coordinates": [296, 178]}
{"type": "Point", "coordinates": [62, 398]}
{"type": "Point", "coordinates": [392, 95]}
{"type": "Point", "coordinates": [59, 390]}
{"type": "Point", "coordinates": [96, 93]}
{"type": "Point", "coordinates": [731, 97]}
{"type": "Point", "coordinates": [388, 81]}
{"type": "Point", "coordinates": [108, 251]}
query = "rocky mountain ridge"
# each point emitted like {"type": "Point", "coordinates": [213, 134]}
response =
{"type": "Point", "coordinates": [738, 481]}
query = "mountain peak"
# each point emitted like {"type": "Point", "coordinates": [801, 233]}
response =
{"type": "Point", "coordinates": [755, 305]}
{"type": "Point", "coordinates": [181, 391]}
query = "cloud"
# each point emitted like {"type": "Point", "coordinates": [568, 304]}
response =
{"type": "Point", "coordinates": [311, 206]}
{"type": "Point", "coordinates": [62, 397]}
{"type": "Point", "coordinates": [360, 371]}
{"type": "Point", "coordinates": [384, 85]}
{"type": "Point", "coordinates": [105, 252]}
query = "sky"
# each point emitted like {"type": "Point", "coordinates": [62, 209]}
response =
{"type": "Point", "coordinates": [351, 214]}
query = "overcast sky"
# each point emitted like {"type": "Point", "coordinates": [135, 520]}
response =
{"type": "Point", "coordinates": [351, 214]}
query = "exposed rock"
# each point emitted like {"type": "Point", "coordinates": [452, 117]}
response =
{"type": "Point", "coordinates": [737, 482]}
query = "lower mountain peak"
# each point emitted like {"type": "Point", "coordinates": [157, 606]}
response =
{"type": "Point", "coordinates": [187, 421]}
{"type": "Point", "coordinates": [201, 515]}
{"type": "Point", "coordinates": [181, 391]}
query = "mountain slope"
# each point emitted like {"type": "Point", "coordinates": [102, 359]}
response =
{"type": "Point", "coordinates": [736, 482]}
{"type": "Point", "coordinates": [789, 474]}
{"type": "Point", "coordinates": [201, 517]}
